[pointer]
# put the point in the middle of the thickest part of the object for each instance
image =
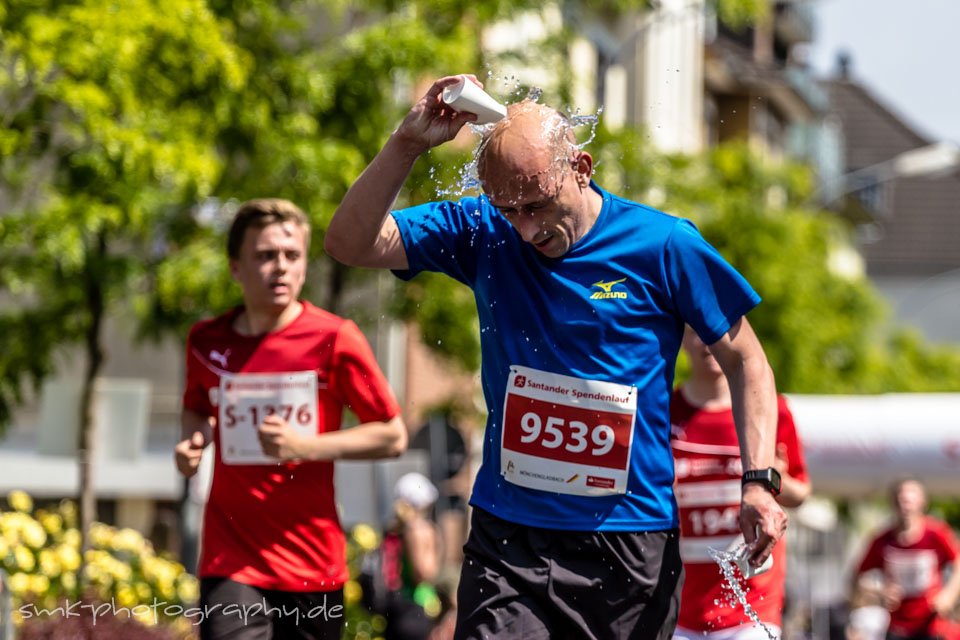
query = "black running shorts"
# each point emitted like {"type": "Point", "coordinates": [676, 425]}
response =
{"type": "Point", "coordinates": [531, 583]}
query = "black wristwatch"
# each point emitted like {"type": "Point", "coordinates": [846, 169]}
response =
{"type": "Point", "coordinates": [769, 478]}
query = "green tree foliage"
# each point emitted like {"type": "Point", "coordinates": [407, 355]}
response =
{"type": "Point", "coordinates": [128, 130]}
{"type": "Point", "coordinates": [329, 80]}
{"type": "Point", "coordinates": [825, 329]}
{"type": "Point", "coordinates": [109, 116]}
{"type": "Point", "coordinates": [95, 137]}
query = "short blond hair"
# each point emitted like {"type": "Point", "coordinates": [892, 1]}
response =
{"type": "Point", "coordinates": [259, 213]}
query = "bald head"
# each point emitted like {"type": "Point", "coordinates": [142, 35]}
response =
{"type": "Point", "coordinates": [535, 175]}
{"type": "Point", "coordinates": [533, 140]}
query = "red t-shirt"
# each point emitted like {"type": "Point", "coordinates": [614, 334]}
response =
{"type": "Point", "coordinates": [708, 471]}
{"type": "Point", "coordinates": [275, 526]}
{"type": "Point", "coordinates": [917, 569]}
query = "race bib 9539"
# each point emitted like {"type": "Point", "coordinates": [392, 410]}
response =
{"type": "Point", "coordinates": [567, 434]}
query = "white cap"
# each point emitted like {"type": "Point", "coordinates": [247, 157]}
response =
{"type": "Point", "coordinates": [416, 489]}
{"type": "Point", "coordinates": [871, 621]}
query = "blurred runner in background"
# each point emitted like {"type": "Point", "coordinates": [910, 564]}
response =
{"type": "Point", "coordinates": [267, 382]}
{"type": "Point", "coordinates": [709, 469]}
{"type": "Point", "coordinates": [914, 555]}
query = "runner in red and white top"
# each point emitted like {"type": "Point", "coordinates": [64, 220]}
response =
{"type": "Point", "coordinates": [267, 383]}
{"type": "Point", "coordinates": [708, 478]}
{"type": "Point", "coordinates": [913, 554]}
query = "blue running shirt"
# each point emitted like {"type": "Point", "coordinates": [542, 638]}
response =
{"type": "Point", "coordinates": [578, 354]}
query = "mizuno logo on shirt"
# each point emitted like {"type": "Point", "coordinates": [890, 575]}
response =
{"type": "Point", "coordinates": [606, 290]}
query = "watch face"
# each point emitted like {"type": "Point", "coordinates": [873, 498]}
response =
{"type": "Point", "coordinates": [770, 478]}
{"type": "Point", "coordinates": [775, 479]}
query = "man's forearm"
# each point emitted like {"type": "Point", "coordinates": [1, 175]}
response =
{"type": "Point", "coordinates": [793, 492]}
{"type": "Point", "coordinates": [754, 397]}
{"type": "Point", "coordinates": [952, 587]}
{"type": "Point", "coordinates": [366, 441]}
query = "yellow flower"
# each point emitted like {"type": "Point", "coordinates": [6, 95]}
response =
{"type": "Point", "coordinates": [69, 557]}
{"type": "Point", "coordinates": [94, 567]}
{"type": "Point", "coordinates": [71, 537]}
{"type": "Point", "coordinates": [144, 615]}
{"type": "Point", "coordinates": [144, 592]}
{"type": "Point", "coordinates": [68, 580]}
{"type": "Point", "coordinates": [32, 533]}
{"type": "Point", "coordinates": [19, 583]}
{"type": "Point", "coordinates": [49, 563]}
{"type": "Point", "coordinates": [129, 540]}
{"type": "Point", "coordinates": [160, 571]}
{"type": "Point", "coordinates": [68, 509]}
{"type": "Point", "coordinates": [96, 556]}
{"type": "Point", "coordinates": [127, 596]}
{"type": "Point", "coordinates": [187, 588]}
{"type": "Point", "coordinates": [101, 535]}
{"type": "Point", "coordinates": [20, 501]}
{"type": "Point", "coordinates": [52, 523]}
{"type": "Point", "coordinates": [166, 590]}
{"type": "Point", "coordinates": [4, 548]}
{"type": "Point", "coordinates": [121, 572]}
{"type": "Point", "coordinates": [352, 592]}
{"type": "Point", "coordinates": [106, 567]}
{"type": "Point", "coordinates": [365, 536]}
{"type": "Point", "coordinates": [23, 559]}
{"type": "Point", "coordinates": [10, 528]}
{"type": "Point", "coordinates": [39, 584]}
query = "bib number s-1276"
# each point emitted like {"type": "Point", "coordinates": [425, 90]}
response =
{"type": "Point", "coordinates": [247, 398]}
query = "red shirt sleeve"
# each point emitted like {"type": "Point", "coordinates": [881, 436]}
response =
{"type": "Point", "coordinates": [358, 379]}
{"type": "Point", "coordinates": [873, 558]}
{"type": "Point", "coordinates": [787, 435]}
{"type": "Point", "coordinates": [949, 547]}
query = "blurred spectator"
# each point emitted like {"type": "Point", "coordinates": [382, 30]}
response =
{"type": "Point", "coordinates": [404, 589]}
{"type": "Point", "coordinates": [914, 554]}
{"type": "Point", "coordinates": [708, 471]}
{"type": "Point", "coordinates": [868, 618]}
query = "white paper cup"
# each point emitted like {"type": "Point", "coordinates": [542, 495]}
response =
{"type": "Point", "coordinates": [467, 96]}
{"type": "Point", "coordinates": [742, 559]}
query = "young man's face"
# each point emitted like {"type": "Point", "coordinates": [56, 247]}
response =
{"type": "Point", "coordinates": [910, 500]}
{"type": "Point", "coordinates": [702, 362]}
{"type": "Point", "coordinates": [272, 266]}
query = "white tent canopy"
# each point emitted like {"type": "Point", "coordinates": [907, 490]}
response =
{"type": "Point", "coordinates": [856, 445]}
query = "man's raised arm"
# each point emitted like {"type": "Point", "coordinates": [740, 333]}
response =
{"type": "Point", "coordinates": [362, 233]}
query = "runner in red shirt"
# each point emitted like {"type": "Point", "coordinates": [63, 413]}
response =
{"type": "Point", "coordinates": [912, 555]}
{"type": "Point", "coordinates": [708, 471]}
{"type": "Point", "coordinates": [267, 384]}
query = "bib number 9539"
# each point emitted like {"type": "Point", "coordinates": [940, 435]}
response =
{"type": "Point", "coordinates": [574, 436]}
{"type": "Point", "coordinates": [566, 434]}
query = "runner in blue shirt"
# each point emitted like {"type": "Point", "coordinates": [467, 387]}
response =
{"type": "Point", "coordinates": [582, 298]}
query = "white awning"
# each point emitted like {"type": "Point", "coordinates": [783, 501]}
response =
{"type": "Point", "coordinates": [856, 445]}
